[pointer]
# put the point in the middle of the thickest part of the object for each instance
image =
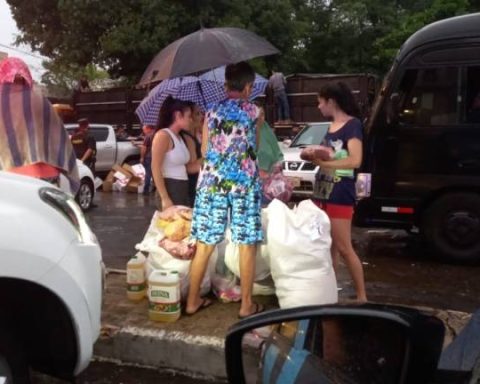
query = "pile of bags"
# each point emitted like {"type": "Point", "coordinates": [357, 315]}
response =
{"type": "Point", "coordinates": [295, 255]}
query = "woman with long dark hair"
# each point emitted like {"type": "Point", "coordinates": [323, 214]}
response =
{"type": "Point", "coordinates": [170, 155]}
{"type": "Point", "coordinates": [334, 189]}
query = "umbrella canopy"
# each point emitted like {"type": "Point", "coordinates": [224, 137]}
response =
{"type": "Point", "coordinates": [202, 90]}
{"type": "Point", "coordinates": [206, 49]}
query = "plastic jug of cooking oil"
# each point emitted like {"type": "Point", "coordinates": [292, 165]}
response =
{"type": "Point", "coordinates": [136, 280]}
{"type": "Point", "coordinates": [164, 296]}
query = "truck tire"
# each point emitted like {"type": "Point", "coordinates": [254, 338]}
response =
{"type": "Point", "coordinates": [13, 365]}
{"type": "Point", "coordinates": [451, 227]}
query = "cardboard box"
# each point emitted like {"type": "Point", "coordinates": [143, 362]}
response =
{"type": "Point", "coordinates": [135, 181]}
{"type": "Point", "coordinates": [110, 179]}
{"type": "Point", "coordinates": [107, 185]}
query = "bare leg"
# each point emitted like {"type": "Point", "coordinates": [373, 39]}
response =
{"type": "Point", "coordinates": [247, 276]}
{"type": "Point", "coordinates": [197, 273]}
{"type": "Point", "coordinates": [342, 240]}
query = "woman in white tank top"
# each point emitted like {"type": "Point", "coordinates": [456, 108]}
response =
{"type": "Point", "coordinates": [170, 155]}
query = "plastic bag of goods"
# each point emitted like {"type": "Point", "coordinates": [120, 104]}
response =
{"type": "Point", "coordinates": [162, 260]}
{"type": "Point", "coordinates": [316, 152]}
{"type": "Point", "coordinates": [300, 259]}
{"type": "Point", "coordinates": [262, 261]}
{"type": "Point", "coordinates": [226, 288]}
{"type": "Point", "coordinates": [277, 186]}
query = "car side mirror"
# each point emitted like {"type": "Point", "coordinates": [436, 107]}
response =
{"type": "Point", "coordinates": [287, 142]}
{"type": "Point", "coordinates": [369, 343]}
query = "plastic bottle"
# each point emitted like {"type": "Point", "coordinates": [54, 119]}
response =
{"type": "Point", "coordinates": [164, 296]}
{"type": "Point", "coordinates": [136, 281]}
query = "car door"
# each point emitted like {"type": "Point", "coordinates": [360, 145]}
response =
{"type": "Point", "coordinates": [106, 146]}
{"type": "Point", "coordinates": [412, 152]}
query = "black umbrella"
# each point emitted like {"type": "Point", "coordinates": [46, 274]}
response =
{"type": "Point", "coordinates": [206, 49]}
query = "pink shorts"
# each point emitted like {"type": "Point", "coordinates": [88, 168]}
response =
{"type": "Point", "coordinates": [336, 211]}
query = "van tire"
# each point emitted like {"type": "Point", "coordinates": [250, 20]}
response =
{"type": "Point", "coordinates": [451, 227]}
{"type": "Point", "coordinates": [13, 364]}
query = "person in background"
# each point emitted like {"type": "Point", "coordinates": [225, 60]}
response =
{"type": "Point", "coordinates": [228, 187]}
{"type": "Point", "coordinates": [146, 156]}
{"type": "Point", "coordinates": [269, 152]}
{"type": "Point", "coordinates": [36, 143]}
{"type": "Point", "coordinates": [121, 133]}
{"type": "Point", "coordinates": [334, 189]}
{"type": "Point", "coordinates": [277, 83]}
{"type": "Point", "coordinates": [170, 155]}
{"type": "Point", "coordinates": [84, 144]}
{"type": "Point", "coordinates": [83, 85]}
{"type": "Point", "coordinates": [190, 136]}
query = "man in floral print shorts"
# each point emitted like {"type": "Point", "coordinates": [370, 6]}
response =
{"type": "Point", "coordinates": [229, 187]}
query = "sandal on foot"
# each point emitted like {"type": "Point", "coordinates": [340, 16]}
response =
{"type": "Point", "coordinates": [259, 308]}
{"type": "Point", "coordinates": [205, 304]}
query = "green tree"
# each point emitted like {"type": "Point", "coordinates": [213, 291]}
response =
{"type": "Point", "coordinates": [61, 80]}
{"type": "Point", "coordinates": [123, 36]}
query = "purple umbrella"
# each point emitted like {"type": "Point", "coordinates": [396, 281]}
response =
{"type": "Point", "coordinates": [206, 49]}
{"type": "Point", "coordinates": [202, 90]}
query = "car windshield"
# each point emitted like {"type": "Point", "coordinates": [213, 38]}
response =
{"type": "Point", "coordinates": [311, 134]}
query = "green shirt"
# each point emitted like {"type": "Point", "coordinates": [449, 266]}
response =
{"type": "Point", "coordinates": [269, 151]}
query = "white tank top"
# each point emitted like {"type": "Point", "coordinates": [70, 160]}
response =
{"type": "Point", "coordinates": [176, 159]}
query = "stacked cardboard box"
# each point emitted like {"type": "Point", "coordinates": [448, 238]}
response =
{"type": "Point", "coordinates": [125, 178]}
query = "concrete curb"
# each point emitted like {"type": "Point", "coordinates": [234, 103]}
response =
{"type": "Point", "coordinates": [193, 346]}
{"type": "Point", "coordinates": [197, 356]}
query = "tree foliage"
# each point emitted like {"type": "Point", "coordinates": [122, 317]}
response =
{"type": "Point", "coordinates": [122, 36]}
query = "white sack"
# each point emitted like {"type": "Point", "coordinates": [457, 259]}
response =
{"type": "Point", "coordinates": [262, 263]}
{"type": "Point", "coordinates": [299, 244]}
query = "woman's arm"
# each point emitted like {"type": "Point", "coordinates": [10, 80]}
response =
{"type": "Point", "coordinates": [160, 146]}
{"type": "Point", "coordinates": [205, 137]}
{"type": "Point", "coordinates": [353, 161]}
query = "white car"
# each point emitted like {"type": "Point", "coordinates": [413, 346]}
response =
{"type": "Point", "coordinates": [294, 166]}
{"type": "Point", "coordinates": [86, 192]}
{"type": "Point", "coordinates": [51, 275]}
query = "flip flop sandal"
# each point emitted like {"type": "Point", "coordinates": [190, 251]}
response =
{"type": "Point", "coordinates": [259, 308]}
{"type": "Point", "coordinates": [205, 304]}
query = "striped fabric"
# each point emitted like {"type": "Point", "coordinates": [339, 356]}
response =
{"type": "Point", "coordinates": [202, 90]}
{"type": "Point", "coordinates": [31, 132]}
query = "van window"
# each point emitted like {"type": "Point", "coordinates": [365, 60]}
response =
{"type": "Point", "coordinates": [472, 100]}
{"type": "Point", "coordinates": [429, 96]}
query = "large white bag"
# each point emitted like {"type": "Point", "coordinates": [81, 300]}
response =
{"type": "Point", "coordinates": [299, 244]}
{"type": "Point", "coordinates": [262, 263]}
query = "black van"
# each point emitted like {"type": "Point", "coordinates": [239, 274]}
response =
{"type": "Point", "coordinates": [422, 147]}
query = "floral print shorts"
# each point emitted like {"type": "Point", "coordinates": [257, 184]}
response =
{"type": "Point", "coordinates": [212, 211]}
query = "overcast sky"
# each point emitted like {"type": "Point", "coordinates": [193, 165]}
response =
{"type": "Point", "coordinates": [8, 33]}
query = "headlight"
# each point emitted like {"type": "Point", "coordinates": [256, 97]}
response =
{"type": "Point", "coordinates": [67, 206]}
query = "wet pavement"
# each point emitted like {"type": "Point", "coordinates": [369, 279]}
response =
{"type": "Point", "coordinates": [397, 271]}
{"type": "Point", "coordinates": [396, 268]}
{"type": "Point", "coordinates": [109, 373]}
